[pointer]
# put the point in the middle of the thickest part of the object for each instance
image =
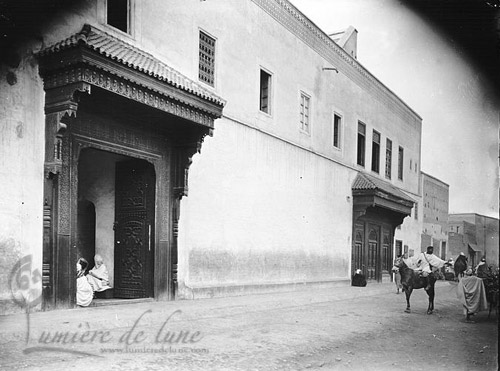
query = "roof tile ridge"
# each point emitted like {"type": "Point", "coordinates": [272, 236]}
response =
{"type": "Point", "coordinates": [89, 29]}
{"type": "Point", "coordinates": [366, 177]}
{"type": "Point", "coordinates": [171, 75]}
{"type": "Point", "coordinates": [66, 43]}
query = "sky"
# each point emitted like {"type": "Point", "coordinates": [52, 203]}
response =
{"type": "Point", "coordinates": [441, 77]}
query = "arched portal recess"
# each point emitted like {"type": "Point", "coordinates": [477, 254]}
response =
{"type": "Point", "coordinates": [131, 107]}
{"type": "Point", "coordinates": [116, 219]}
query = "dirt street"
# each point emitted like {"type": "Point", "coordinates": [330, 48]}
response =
{"type": "Point", "coordinates": [345, 328]}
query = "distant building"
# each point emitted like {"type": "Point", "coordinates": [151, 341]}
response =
{"type": "Point", "coordinates": [475, 235]}
{"type": "Point", "coordinates": [435, 194]}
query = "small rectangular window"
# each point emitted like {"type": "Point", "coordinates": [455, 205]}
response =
{"type": "Point", "coordinates": [399, 247]}
{"type": "Point", "coordinates": [361, 143]}
{"type": "Point", "coordinates": [265, 92]}
{"type": "Point", "coordinates": [376, 152]}
{"type": "Point", "coordinates": [304, 113]}
{"type": "Point", "coordinates": [400, 163]}
{"type": "Point", "coordinates": [416, 210]}
{"type": "Point", "coordinates": [337, 124]}
{"type": "Point", "coordinates": [388, 159]}
{"type": "Point", "coordinates": [118, 14]}
{"type": "Point", "coordinates": [206, 71]}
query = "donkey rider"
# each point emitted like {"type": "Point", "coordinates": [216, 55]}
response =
{"type": "Point", "coordinates": [428, 264]}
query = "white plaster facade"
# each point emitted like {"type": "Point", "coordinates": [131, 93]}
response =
{"type": "Point", "coordinates": [268, 204]}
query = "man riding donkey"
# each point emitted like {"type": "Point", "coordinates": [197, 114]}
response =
{"type": "Point", "coordinates": [422, 276]}
{"type": "Point", "coordinates": [429, 264]}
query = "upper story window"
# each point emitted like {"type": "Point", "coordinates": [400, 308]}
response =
{"type": "Point", "coordinates": [206, 71]}
{"type": "Point", "coordinates": [337, 126]}
{"type": "Point", "coordinates": [305, 123]}
{"type": "Point", "coordinates": [388, 159]}
{"type": "Point", "coordinates": [265, 92]}
{"type": "Point", "coordinates": [118, 14]}
{"type": "Point", "coordinates": [361, 143]}
{"type": "Point", "coordinates": [400, 163]}
{"type": "Point", "coordinates": [376, 151]}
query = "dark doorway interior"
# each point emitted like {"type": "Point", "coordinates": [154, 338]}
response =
{"type": "Point", "coordinates": [86, 224]}
{"type": "Point", "coordinates": [116, 219]}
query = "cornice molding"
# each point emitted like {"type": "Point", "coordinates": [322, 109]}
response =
{"type": "Point", "coordinates": [299, 25]}
{"type": "Point", "coordinates": [80, 65]}
{"type": "Point", "coordinates": [133, 89]}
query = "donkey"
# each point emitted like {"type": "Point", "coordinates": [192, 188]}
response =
{"type": "Point", "coordinates": [411, 280]}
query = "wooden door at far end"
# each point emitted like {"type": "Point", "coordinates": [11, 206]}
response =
{"type": "Point", "coordinates": [373, 252]}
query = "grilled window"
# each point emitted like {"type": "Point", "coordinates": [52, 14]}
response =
{"type": "Point", "coordinates": [388, 159]}
{"type": "Point", "coordinates": [304, 113]}
{"type": "Point", "coordinates": [206, 71]}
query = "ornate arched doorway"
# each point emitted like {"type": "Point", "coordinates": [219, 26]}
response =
{"type": "Point", "coordinates": [133, 106]}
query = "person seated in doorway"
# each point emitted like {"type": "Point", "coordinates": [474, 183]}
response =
{"type": "Point", "coordinates": [84, 292]}
{"type": "Point", "coordinates": [358, 279]}
{"type": "Point", "coordinates": [98, 276]}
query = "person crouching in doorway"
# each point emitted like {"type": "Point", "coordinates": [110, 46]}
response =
{"type": "Point", "coordinates": [84, 292]}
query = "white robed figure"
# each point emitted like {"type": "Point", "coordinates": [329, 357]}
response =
{"type": "Point", "coordinates": [98, 276]}
{"type": "Point", "coordinates": [428, 262]}
{"type": "Point", "coordinates": [84, 292]}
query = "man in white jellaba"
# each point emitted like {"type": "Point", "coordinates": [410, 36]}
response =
{"type": "Point", "coordinates": [428, 263]}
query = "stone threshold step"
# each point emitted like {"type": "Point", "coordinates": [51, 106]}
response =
{"type": "Point", "coordinates": [114, 301]}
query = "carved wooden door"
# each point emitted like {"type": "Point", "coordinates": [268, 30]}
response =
{"type": "Point", "coordinates": [358, 249]}
{"type": "Point", "coordinates": [387, 259]}
{"type": "Point", "coordinates": [134, 229]}
{"type": "Point", "coordinates": [373, 247]}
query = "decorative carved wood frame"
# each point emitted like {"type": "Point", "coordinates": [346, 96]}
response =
{"type": "Point", "coordinates": [396, 208]}
{"type": "Point", "coordinates": [380, 208]}
{"type": "Point", "coordinates": [67, 75]}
